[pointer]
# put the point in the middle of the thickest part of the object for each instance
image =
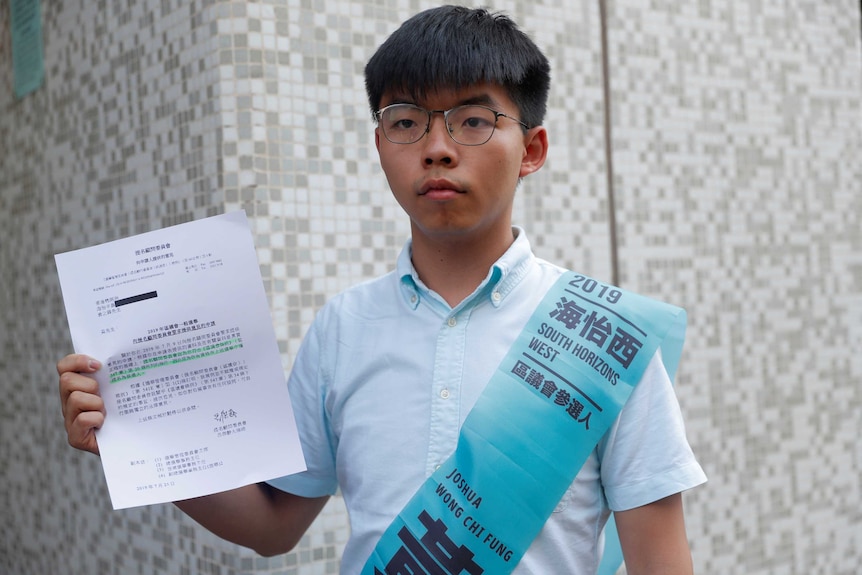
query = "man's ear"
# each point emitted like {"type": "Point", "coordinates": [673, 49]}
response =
{"type": "Point", "coordinates": [377, 139]}
{"type": "Point", "coordinates": [535, 150]}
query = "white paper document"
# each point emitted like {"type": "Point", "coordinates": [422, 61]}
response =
{"type": "Point", "coordinates": [191, 376]}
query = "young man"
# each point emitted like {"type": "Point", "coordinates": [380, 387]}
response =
{"type": "Point", "coordinates": [391, 368]}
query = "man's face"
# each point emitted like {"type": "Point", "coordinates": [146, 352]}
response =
{"type": "Point", "coordinates": [452, 191]}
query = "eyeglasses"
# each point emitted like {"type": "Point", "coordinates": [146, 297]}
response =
{"type": "Point", "coordinates": [470, 125]}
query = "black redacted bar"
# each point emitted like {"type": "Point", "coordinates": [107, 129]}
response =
{"type": "Point", "coordinates": [136, 298]}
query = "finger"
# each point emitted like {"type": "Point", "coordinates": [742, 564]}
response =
{"type": "Point", "coordinates": [71, 382]}
{"type": "Point", "coordinates": [78, 362]}
{"type": "Point", "coordinates": [82, 402]}
{"type": "Point", "coordinates": [82, 406]}
{"type": "Point", "coordinates": [85, 413]}
{"type": "Point", "coordinates": [82, 431]}
{"type": "Point", "coordinates": [69, 366]}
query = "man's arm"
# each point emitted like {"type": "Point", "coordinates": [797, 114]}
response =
{"type": "Point", "coordinates": [653, 538]}
{"type": "Point", "coordinates": [261, 517]}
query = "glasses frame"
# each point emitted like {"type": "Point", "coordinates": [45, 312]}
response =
{"type": "Point", "coordinates": [379, 113]}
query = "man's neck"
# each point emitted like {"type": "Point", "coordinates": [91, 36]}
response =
{"type": "Point", "coordinates": [454, 267]}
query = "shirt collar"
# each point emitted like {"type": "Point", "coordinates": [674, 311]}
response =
{"type": "Point", "coordinates": [503, 276]}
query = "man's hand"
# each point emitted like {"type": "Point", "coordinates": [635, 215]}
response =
{"type": "Point", "coordinates": [83, 407]}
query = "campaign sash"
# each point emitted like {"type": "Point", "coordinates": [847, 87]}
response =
{"type": "Point", "coordinates": [555, 394]}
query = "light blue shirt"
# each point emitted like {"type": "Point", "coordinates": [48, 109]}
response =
{"type": "Point", "coordinates": [387, 374]}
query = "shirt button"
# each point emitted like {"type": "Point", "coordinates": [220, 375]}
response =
{"type": "Point", "coordinates": [413, 299]}
{"type": "Point", "coordinates": [444, 394]}
{"type": "Point", "coordinates": [452, 322]}
{"type": "Point", "coordinates": [496, 296]}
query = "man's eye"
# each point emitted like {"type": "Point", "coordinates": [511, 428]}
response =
{"type": "Point", "coordinates": [404, 124]}
{"type": "Point", "coordinates": [476, 122]}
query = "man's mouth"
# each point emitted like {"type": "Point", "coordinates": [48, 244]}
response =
{"type": "Point", "coordinates": [440, 189]}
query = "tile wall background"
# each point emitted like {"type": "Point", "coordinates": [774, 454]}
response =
{"type": "Point", "coordinates": [737, 138]}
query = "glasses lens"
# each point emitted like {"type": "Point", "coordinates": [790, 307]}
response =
{"type": "Point", "coordinates": [471, 125]}
{"type": "Point", "coordinates": [403, 123]}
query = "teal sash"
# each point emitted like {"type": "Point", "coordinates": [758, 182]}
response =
{"type": "Point", "coordinates": [555, 394]}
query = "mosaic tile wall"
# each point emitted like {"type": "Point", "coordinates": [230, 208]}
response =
{"type": "Point", "coordinates": [738, 171]}
{"type": "Point", "coordinates": [737, 133]}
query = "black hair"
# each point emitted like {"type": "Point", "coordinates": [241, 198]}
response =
{"type": "Point", "coordinates": [453, 47]}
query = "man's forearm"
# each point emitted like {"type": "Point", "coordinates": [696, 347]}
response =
{"type": "Point", "coordinates": [256, 516]}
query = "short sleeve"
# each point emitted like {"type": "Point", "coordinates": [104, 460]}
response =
{"type": "Point", "coordinates": [645, 455]}
{"type": "Point", "coordinates": [307, 386]}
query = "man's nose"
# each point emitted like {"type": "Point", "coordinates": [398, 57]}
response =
{"type": "Point", "coordinates": [439, 145]}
